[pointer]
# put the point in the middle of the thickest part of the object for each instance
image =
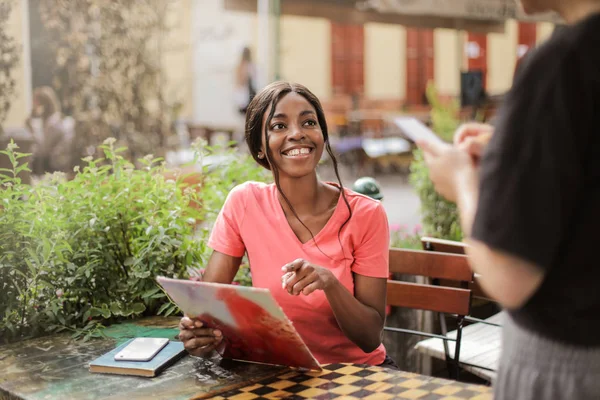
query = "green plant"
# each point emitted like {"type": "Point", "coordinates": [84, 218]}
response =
{"type": "Point", "coordinates": [439, 216]}
{"type": "Point", "coordinates": [83, 253]}
{"type": "Point", "coordinates": [402, 238]}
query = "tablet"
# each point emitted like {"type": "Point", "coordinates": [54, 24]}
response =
{"type": "Point", "coordinates": [415, 130]}
{"type": "Point", "coordinates": [254, 326]}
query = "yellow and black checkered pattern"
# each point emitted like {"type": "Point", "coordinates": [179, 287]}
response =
{"type": "Point", "coordinates": [341, 381]}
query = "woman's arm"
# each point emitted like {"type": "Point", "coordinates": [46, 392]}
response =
{"type": "Point", "coordinates": [360, 316]}
{"type": "Point", "coordinates": [221, 268]}
{"type": "Point", "coordinates": [508, 279]}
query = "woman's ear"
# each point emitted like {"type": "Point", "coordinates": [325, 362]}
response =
{"type": "Point", "coordinates": [262, 153]}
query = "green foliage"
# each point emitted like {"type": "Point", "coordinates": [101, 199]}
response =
{"type": "Point", "coordinates": [402, 238]}
{"type": "Point", "coordinates": [439, 216]}
{"type": "Point", "coordinates": [444, 115]}
{"type": "Point", "coordinates": [83, 253]}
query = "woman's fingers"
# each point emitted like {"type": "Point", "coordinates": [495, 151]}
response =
{"type": "Point", "coordinates": [187, 334]}
{"type": "Point", "coordinates": [293, 266]}
{"type": "Point", "coordinates": [473, 146]}
{"type": "Point", "coordinates": [297, 288]}
{"type": "Point", "coordinates": [189, 323]}
{"type": "Point", "coordinates": [292, 278]}
{"type": "Point", "coordinates": [201, 346]}
{"type": "Point", "coordinates": [308, 289]}
{"type": "Point", "coordinates": [472, 129]}
{"type": "Point", "coordinates": [185, 323]}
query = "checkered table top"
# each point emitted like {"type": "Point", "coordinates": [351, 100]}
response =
{"type": "Point", "coordinates": [350, 381]}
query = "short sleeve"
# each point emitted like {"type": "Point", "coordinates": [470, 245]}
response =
{"type": "Point", "coordinates": [226, 233]}
{"type": "Point", "coordinates": [532, 173]}
{"type": "Point", "coordinates": [372, 254]}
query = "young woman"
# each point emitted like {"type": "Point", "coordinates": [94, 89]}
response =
{"type": "Point", "coordinates": [321, 249]}
{"type": "Point", "coordinates": [530, 210]}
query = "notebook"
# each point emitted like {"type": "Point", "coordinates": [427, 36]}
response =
{"type": "Point", "coordinates": [254, 326]}
{"type": "Point", "coordinates": [106, 363]}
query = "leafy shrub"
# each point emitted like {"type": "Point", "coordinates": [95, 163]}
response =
{"type": "Point", "coordinates": [439, 216]}
{"type": "Point", "coordinates": [403, 238]}
{"type": "Point", "coordinates": [83, 253]}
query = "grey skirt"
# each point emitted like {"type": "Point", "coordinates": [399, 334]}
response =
{"type": "Point", "coordinates": [532, 367]}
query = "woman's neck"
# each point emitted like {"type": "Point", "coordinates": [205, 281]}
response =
{"type": "Point", "coordinates": [575, 11]}
{"type": "Point", "coordinates": [304, 193]}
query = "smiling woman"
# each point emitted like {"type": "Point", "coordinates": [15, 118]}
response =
{"type": "Point", "coordinates": [321, 249]}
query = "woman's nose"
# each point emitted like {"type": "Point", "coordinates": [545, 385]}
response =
{"type": "Point", "coordinates": [296, 133]}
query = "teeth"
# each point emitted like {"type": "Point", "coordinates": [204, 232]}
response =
{"type": "Point", "coordinates": [297, 152]}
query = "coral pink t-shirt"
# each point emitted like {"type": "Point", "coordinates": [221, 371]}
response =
{"type": "Point", "coordinates": [253, 221]}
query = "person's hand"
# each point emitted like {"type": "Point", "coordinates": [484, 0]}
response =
{"type": "Point", "coordinates": [29, 125]}
{"type": "Point", "coordinates": [197, 340]}
{"type": "Point", "coordinates": [472, 138]}
{"type": "Point", "coordinates": [300, 276]}
{"type": "Point", "coordinates": [449, 166]}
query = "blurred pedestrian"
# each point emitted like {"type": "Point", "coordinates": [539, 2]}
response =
{"type": "Point", "coordinates": [53, 134]}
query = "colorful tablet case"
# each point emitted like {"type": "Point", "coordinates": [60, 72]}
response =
{"type": "Point", "coordinates": [254, 326]}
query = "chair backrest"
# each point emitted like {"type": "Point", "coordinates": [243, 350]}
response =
{"type": "Point", "coordinates": [450, 246]}
{"type": "Point", "coordinates": [443, 266]}
{"type": "Point", "coordinates": [444, 246]}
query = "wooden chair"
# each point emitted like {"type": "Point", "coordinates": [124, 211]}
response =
{"type": "Point", "coordinates": [442, 245]}
{"type": "Point", "coordinates": [482, 337]}
{"type": "Point", "coordinates": [454, 247]}
{"type": "Point", "coordinates": [432, 297]}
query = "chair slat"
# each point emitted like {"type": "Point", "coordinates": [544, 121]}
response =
{"type": "Point", "coordinates": [443, 246]}
{"type": "Point", "coordinates": [430, 264]}
{"type": "Point", "coordinates": [427, 297]}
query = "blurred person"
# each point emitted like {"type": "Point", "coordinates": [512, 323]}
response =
{"type": "Point", "coordinates": [321, 249]}
{"type": "Point", "coordinates": [528, 204]}
{"type": "Point", "coordinates": [52, 133]}
{"type": "Point", "coordinates": [245, 81]}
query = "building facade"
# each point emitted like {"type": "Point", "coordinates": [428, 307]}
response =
{"type": "Point", "coordinates": [376, 61]}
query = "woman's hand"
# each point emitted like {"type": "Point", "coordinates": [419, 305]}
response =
{"type": "Point", "coordinates": [449, 168]}
{"type": "Point", "coordinates": [300, 276]}
{"type": "Point", "coordinates": [198, 341]}
{"type": "Point", "coordinates": [472, 138]}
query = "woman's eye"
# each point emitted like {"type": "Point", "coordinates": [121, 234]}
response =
{"type": "Point", "coordinates": [276, 127]}
{"type": "Point", "coordinates": [311, 122]}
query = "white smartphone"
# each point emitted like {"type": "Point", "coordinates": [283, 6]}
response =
{"type": "Point", "coordinates": [415, 130]}
{"type": "Point", "coordinates": [141, 349]}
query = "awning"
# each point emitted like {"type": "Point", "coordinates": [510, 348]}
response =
{"type": "Point", "coordinates": [486, 10]}
{"type": "Point", "coordinates": [406, 12]}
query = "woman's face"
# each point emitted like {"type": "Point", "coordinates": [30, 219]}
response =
{"type": "Point", "coordinates": [295, 137]}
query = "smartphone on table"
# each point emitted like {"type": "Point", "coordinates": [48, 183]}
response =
{"type": "Point", "coordinates": [141, 349]}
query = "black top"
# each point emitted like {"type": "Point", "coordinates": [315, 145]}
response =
{"type": "Point", "coordinates": [540, 183]}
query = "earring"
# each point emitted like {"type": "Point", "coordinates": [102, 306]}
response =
{"type": "Point", "coordinates": [261, 155]}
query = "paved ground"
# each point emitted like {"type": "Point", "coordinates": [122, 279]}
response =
{"type": "Point", "coordinates": [400, 200]}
